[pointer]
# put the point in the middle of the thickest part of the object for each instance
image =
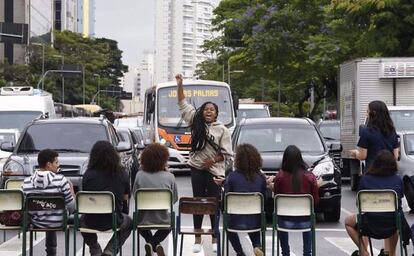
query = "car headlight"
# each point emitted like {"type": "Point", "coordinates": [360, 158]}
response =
{"type": "Point", "coordinates": [84, 166]}
{"type": "Point", "coordinates": [323, 168]}
{"type": "Point", "coordinates": [13, 168]}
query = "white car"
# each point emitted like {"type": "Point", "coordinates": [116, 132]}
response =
{"type": "Point", "coordinates": [252, 110]}
{"type": "Point", "coordinates": [7, 135]}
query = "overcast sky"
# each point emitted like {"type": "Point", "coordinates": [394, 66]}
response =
{"type": "Point", "coordinates": [130, 22]}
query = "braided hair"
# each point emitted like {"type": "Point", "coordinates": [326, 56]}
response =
{"type": "Point", "coordinates": [199, 129]}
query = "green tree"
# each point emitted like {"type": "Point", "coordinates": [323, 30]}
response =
{"type": "Point", "coordinates": [96, 56]}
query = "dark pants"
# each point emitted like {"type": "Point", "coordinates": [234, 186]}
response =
{"type": "Point", "coordinates": [51, 243]}
{"type": "Point", "coordinates": [203, 186]}
{"type": "Point", "coordinates": [91, 239]}
{"type": "Point", "coordinates": [298, 223]}
{"type": "Point", "coordinates": [235, 241]}
{"type": "Point", "coordinates": [156, 238]}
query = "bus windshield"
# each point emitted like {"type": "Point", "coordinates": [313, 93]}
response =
{"type": "Point", "coordinates": [196, 95]}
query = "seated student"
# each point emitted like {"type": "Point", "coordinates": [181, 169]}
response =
{"type": "Point", "coordinates": [382, 174]}
{"type": "Point", "coordinates": [246, 178]}
{"type": "Point", "coordinates": [154, 175]}
{"type": "Point", "coordinates": [293, 178]}
{"type": "Point", "coordinates": [104, 173]}
{"type": "Point", "coordinates": [46, 180]}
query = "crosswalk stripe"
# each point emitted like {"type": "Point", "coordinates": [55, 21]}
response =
{"type": "Point", "coordinates": [103, 239]}
{"type": "Point", "coordinates": [345, 244]}
{"type": "Point", "coordinates": [13, 246]}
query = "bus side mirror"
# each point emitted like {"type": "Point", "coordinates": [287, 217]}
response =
{"type": "Point", "coordinates": [151, 107]}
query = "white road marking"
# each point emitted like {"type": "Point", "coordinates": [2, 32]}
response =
{"type": "Point", "coordinates": [13, 246]}
{"type": "Point", "coordinates": [345, 244]}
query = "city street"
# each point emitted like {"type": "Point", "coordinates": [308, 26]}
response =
{"type": "Point", "coordinates": [331, 238]}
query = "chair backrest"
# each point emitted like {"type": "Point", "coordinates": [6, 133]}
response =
{"type": "Point", "coordinates": [45, 202]}
{"type": "Point", "coordinates": [198, 205]}
{"type": "Point", "coordinates": [384, 200]}
{"type": "Point", "coordinates": [244, 203]}
{"type": "Point", "coordinates": [95, 202]}
{"type": "Point", "coordinates": [153, 199]}
{"type": "Point", "coordinates": [293, 205]}
{"type": "Point", "coordinates": [14, 184]}
{"type": "Point", "coordinates": [11, 200]}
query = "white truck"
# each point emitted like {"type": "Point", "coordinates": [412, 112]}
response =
{"type": "Point", "coordinates": [20, 105]}
{"type": "Point", "coordinates": [361, 81]}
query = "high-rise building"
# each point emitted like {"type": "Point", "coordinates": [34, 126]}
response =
{"type": "Point", "coordinates": [144, 75]}
{"type": "Point", "coordinates": [66, 15]}
{"type": "Point", "coordinates": [86, 17]}
{"type": "Point", "coordinates": [22, 21]}
{"type": "Point", "coordinates": [181, 27]}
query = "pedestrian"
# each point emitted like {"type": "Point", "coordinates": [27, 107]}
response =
{"type": "Point", "coordinates": [378, 135]}
{"type": "Point", "coordinates": [247, 177]}
{"type": "Point", "coordinates": [382, 174]}
{"type": "Point", "coordinates": [104, 173]}
{"type": "Point", "coordinates": [154, 175]}
{"type": "Point", "coordinates": [210, 148]}
{"type": "Point", "coordinates": [294, 178]}
{"type": "Point", "coordinates": [48, 180]}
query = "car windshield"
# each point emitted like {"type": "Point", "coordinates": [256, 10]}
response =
{"type": "Point", "coordinates": [169, 114]}
{"type": "Point", "coordinates": [403, 119]}
{"type": "Point", "coordinates": [17, 119]}
{"type": "Point", "coordinates": [275, 138]}
{"type": "Point", "coordinates": [62, 137]}
{"type": "Point", "coordinates": [409, 144]}
{"type": "Point", "coordinates": [7, 137]}
{"type": "Point", "coordinates": [251, 113]}
{"type": "Point", "coordinates": [330, 130]}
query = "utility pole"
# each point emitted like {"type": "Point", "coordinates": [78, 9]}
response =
{"type": "Point", "coordinates": [43, 61]}
{"type": "Point", "coordinates": [61, 76]}
{"type": "Point", "coordinates": [278, 99]}
{"type": "Point", "coordinates": [228, 71]}
{"type": "Point", "coordinates": [83, 82]}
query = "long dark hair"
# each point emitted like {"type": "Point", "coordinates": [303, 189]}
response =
{"type": "Point", "coordinates": [293, 163]}
{"type": "Point", "coordinates": [199, 130]}
{"type": "Point", "coordinates": [103, 157]}
{"type": "Point", "coordinates": [384, 164]}
{"type": "Point", "coordinates": [248, 161]}
{"type": "Point", "coordinates": [379, 117]}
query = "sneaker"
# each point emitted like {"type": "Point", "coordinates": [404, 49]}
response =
{"type": "Point", "coordinates": [196, 248]}
{"type": "Point", "coordinates": [355, 253]}
{"type": "Point", "coordinates": [160, 250]}
{"type": "Point", "coordinates": [148, 249]}
{"type": "Point", "coordinates": [258, 251]}
{"type": "Point", "coordinates": [214, 245]}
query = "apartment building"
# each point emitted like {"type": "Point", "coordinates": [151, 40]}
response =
{"type": "Point", "coordinates": [181, 27]}
{"type": "Point", "coordinates": [144, 75]}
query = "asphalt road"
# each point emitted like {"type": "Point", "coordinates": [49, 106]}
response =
{"type": "Point", "coordinates": [331, 238]}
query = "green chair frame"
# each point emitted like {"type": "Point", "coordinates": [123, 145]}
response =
{"type": "Point", "coordinates": [13, 184]}
{"type": "Point", "coordinates": [379, 201]}
{"type": "Point", "coordinates": [236, 203]}
{"type": "Point", "coordinates": [293, 205]}
{"type": "Point", "coordinates": [152, 199]}
{"type": "Point", "coordinates": [44, 202]}
{"type": "Point", "coordinates": [96, 202]}
{"type": "Point", "coordinates": [12, 200]}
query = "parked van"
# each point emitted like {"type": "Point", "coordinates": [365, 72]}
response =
{"type": "Point", "coordinates": [20, 105]}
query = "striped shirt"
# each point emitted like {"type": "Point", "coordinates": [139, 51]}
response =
{"type": "Point", "coordinates": [48, 182]}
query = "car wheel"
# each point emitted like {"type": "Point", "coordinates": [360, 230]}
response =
{"type": "Point", "coordinates": [334, 215]}
{"type": "Point", "coordinates": [354, 182]}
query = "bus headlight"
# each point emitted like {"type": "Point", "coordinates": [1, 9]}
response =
{"type": "Point", "coordinates": [165, 142]}
{"type": "Point", "coordinates": [13, 168]}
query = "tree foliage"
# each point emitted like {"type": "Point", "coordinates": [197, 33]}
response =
{"type": "Point", "coordinates": [100, 58]}
{"type": "Point", "coordinates": [300, 44]}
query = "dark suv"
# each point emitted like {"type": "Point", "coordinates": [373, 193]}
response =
{"type": "Point", "coordinates": [72, 138]}
{"type": "Point", "coordinates": [272, 135]}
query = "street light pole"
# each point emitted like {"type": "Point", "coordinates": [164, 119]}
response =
{"type": "Point", "coordinates": [99, 85]}
{"type": "Point", "coordinates": [62, 77]}
{"type": "Point", "coordinates": [43, 60]}
{"type": "Point", "coordinates": [228, 71]}
{"type": "Point", "coordinates": [83, 83]}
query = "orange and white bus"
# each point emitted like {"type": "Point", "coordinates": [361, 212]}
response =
{"type": "Point", "coordinates": [162, 118]}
